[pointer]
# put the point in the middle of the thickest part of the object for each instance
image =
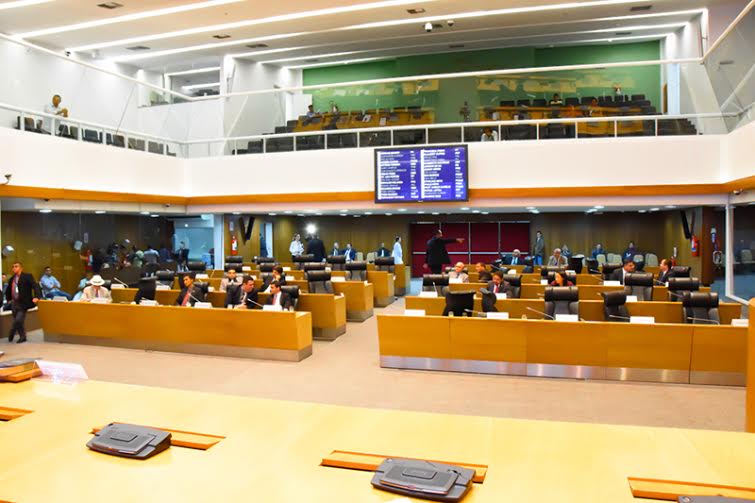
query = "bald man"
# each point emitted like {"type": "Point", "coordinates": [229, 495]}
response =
{"type": "Point", "coordinates": [458, 273]}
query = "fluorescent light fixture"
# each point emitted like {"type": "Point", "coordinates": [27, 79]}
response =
{"type": "Point", "coordinates": [344, 211]}
{"type": "Point", "coordinates": [100, 212]}
{"type": "Point", "coordinates": [208, 69]}
{"type": "Point", "coordinates": [218, 28]}
{"type": "Point", "coordinates": [272, 214]}
{"type": "Point", "coordinates": [311, 228]}
{"type": "Point", "coordinates": [22, 3]}
{"type": "Point", "coordinates": [642, 211]}
{"type": "Point", "coordinates": [45, 210]}
{"type": "Point", "coordinates": [388, 214]}
{"type": "Point", "coordinates": [342, 62]}
{"type": "Point", "coordinates": [144, 212]}
{"type": "Point", "coordinates": [122, 19]}
{"type": "Point", "coordinates": [599, 206]}
{"type": "Point", "coordinates": [420, 212]}
{"type": "Point", "coordinates": [671, 206]}
{"type": "Point", "coordinates": [535, 212]}
{"type": "Point", "coordinates": [402, 209]}
{"type": "Point", "coordinates": [486, 213]}
{"type": "Point", "coordinates": [300, 214]}
{"type": "Point", "coordinates": [318, 214]}
{"type": "Point", "coordinates": [464, 208]}
{"type": "Point", "coordinates": [201, 86]}
{"type": "Point", "coordinates": [475, 211]}
{"type": "Point", "coordinates": [288, 212]}
{"type": "Point", "coordinates": [655, 209]}
{"type": "Point", "coordinates": [155, 215]}
{"type": "Point", "coordinates": [368, 213]}
{"type": "Point", "coordinates": [345, 215]}
{"type": "Point", "coordinates": [436, 213]}
{"type": "Point", "coordinates": [531, 208]}
{"type": "Point", "coordinates": [237, 213]}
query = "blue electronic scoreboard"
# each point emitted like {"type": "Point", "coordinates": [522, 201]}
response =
{"type": "Point", "coordinates": [421, 174]}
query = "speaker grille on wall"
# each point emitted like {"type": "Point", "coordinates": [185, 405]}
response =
{"type": "Point", "coordinates": [685, 225]}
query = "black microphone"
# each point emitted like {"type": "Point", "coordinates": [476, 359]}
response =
{"type": "Point", "coordinates": [540, 312]}
{"type": "Point", "coordinates": [195, 299]}
{"type": "Point", "coordinates": [712, 322]}
{"type": "Point", "coordinates": [619, 317]}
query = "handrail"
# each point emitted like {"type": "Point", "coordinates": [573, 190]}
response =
{"type": "Point", "coordinates": [728, 30]}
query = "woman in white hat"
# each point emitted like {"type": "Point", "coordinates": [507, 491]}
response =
{"type": "Point", "coordinates": [96, 290]}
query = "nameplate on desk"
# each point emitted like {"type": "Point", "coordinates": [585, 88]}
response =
{"type": "Point", "coordinates": [285, 269]}
{"type": "Point", "coordinates": [740, 322]}
{"type": "Point", "coordinates": [454, 281]}
{"type": "Point", "coordinates": [631, 298]}
{"type": "Point", "coordinates": [337, 279]}
{"type": "Point", "coordinates": [210, 288]}
{"type": "Point", "coordinates": [203, 305]}
{"type": "Point", "coordinates": [290, 278]}
{"type": "Point", "coordinates": [162, 287]}
{"type": "Point", "coordinates": [567, 317]}
{"type": "Point", "coordinates": [366, 282]}
{"type": "Point", "coordinates": [117, 286]}
{"type": "Point", "coordinates": [100, 301]}
{"type": "Point", "coordinates": [642, 320]}
{"type": "Point", "coordinates": [611, 282]}
{"type": "Point", "coordinates": [500, 296]}
{"type": "Point", "coordinates": [202, 276]}
{"type": "Point", "coordinates": [59, 298]}
{"type": "Point", "coordinates": [571, 271]}
{"type": "Point", "coordinates": [272, 308]}
{"type": "Point", "coordinates": [428, 294]}
{"type": "Point", "coordinates": [147, 302]}
{"type": "Point", "coordinates": [414, 312]}
{"type": "Point", "coordinates": [498, 316]}
{"type": "Point", "coordinates": [543, 281]}
{"type": "Point", "coordinates": [246, 268]}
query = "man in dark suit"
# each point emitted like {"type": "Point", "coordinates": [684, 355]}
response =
{"type": "Point", "coordinates": [23, 293]}
{"type": "Point", "coordinates": [619, 274]}
{"type": "Point", "coordinates": [242, 296]}
{"type": "Point", "coordinates": [277, 275]}
{"type": "Point", "coordinates": [515, 259]}
{"type": "Point", "coordinates": [350, 253]}
{"type": "Point", "coordinates": [316, 247]}
{"type": "Point", "coordinates": [482, 273]}
{"type": "Point", "coordinates": [383, 251]}
{"type": "Point", "coordinates": [336, 249]}
{"type": "Point", "coordinates": [190, 293]}
{"type": "Point", "coordinates": [497, 285]}
{"type": "Point", "coordinates": [664, 271]}
{"type": "Point", "coordinates": [437, 255]}
{"type": "Point", "coordinates": [278, 298]}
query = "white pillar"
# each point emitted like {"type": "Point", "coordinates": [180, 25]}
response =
{"type": "Point", "coordinates": [218, 238]}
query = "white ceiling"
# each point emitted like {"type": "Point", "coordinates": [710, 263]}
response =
{"type": "Point", "coordinates": [327, 34]}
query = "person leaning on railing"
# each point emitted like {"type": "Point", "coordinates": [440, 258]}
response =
{"type": "Point", "coordinates": [49, 124]}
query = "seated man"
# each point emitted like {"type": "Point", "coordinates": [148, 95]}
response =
{"type": "Point", "coordinates": [489, 135]}
{"type": "Point", "coordinates": [350, 253]}
{"type": "Point", "coordinates": [497, 285]}
{"type": "Point", "coordinates": [630, 252]}
{"type": "Point", "coordinates": [277, 276]}
{"type": "Point", "coordinates": [190, 293]}
{"type": "Point", "coordinates": [243, 297]}
{"type": "Point", "coordinates": [619, 274]}
{"type": "Point", "coordinates": [515, 259]}
{"type": "Point", "coordinates": [383, 251]}
{"type": "Point", "coordinates": [483, 274]}
{"type": "Point", "coordinates": [458, 273]}
{"type": "Point", "coordinates": [560, 280]}
{"type": "Point", "coordinates": [557, 259]}
{"type": "Point", "coordinates": [556, 101]}
{"type": "Point", "coordinates": [664, 272]}
{"type": "Point", "coordinates": [278, 298]}
{"type": "Point", "coordinates": [96, 290]}
{"type": "Point", "coordinates": [51, 286]}
{"type": "Point", "coordinates": [598, 250]}
{"type": "Point", "coordinates": [231, 278]}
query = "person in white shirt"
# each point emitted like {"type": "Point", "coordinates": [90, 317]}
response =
{"type": "Point", "coordinates": [96, 290]}
{"type": "Point", "coordinates": [296, 248]}
{"type": "Point", "coordinates": [398, 253]}
{"type": "Point", "coordinates": [50, 125]}
{"type": "Point", "coordinates": [458, 273]}
{"type": "Point", "coordinates": [231, 278]}
{"type": "Point", "coordinates": [489, 135]}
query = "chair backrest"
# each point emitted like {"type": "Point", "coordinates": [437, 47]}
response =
{"type": "Point", "coordinates": [435, 282]}
{"type": "Point", "coordinates": [264, 260]}
{"type": "Point", "coordinates": [234, 259]}
{"type": "Point", "coordinates": [608, 269]}
{"type": "Point", "coordinates": [488, 301]}
{"type": "Point", "coordinates": [614, 306]}
{"type": "Point", "coordinates": [677, 287]}
{"type": "Point", "coordinates": [204, 288]}
{"type": "Point", "coordinates": [701, 308]}
{"type": "Point", "coordinates": [319, 281]}
{"type": "Point", "coordinates": [592, 266]}
{"type": "Point", "coordinates": [681, 271]}
{"type": "Point", "coordinates": [639, 284]}
{"type": "Point", "coordinates": [235, 266]}
{"type": "Point", "coordinates": [569, 277]}
{"type": "Point", "coordinates": [165, 277]}
{"type": "Point", "coordinates": [613, 258]}
{"type": "Point", "coordinates": [337, 262]}
{"type": "Point", "coordinates": [561, 300]}
{"type": "Point", "coordinates": [196, 266]}
{"type": "Point", "coordinates": [575, 263]}
{"type": "Point", "coordinates": [459, 303]}
{"type": "Point", "coordinates": [303, 259]}
{"type": "Point", "coordinates": [356, 271]}
{"type": "Point", "coordinates": [314, 266]}
{"type": "Point", "coordinates": [601, 258]}
{"type": "Point", "coordinates": [267, 267]}
{"type": "Point", "coordinates": [385, 264]}
{"type": "Point", "coordinates": [547, 269]}
{"type": "Point", "coordinates": [515, 285]}
{"type": "Point", "coordinates": [651, 259]}
{"type": "Point", "coordinates": [293, 292]}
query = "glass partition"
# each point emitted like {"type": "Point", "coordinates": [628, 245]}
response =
{"type": "Point", "coordinates": [744, 250]}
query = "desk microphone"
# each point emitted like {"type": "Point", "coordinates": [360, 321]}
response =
{"type": "Point", "coordinates": [540, 312]}
{"type": "Point", "coordinates": [120, 282]}
{"type": "Point", "coordinates": [678, 296]}
{"type": "Point", "coordinates": [256, 303]}
{"type": "Point", "coordinates": [475, 313]}
{"type": "Point", "coordinates": [659, 283]}
{"type": "Point", "coordinates": [598, 276]}
{"type": "Point", "coordinates": [627, 318]}
{"type": "Point", "coordinates": [712, 322]}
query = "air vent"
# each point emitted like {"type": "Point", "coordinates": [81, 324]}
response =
{"type": "Point", "coordinates": [620, 33]}
{"type": "Point", "coordinates": [456, 46]}
{"type": "Point", "coordinates": [221, 36]}
{"type": "Point", "coordinates": [640, 8]}
{"type": "Point", "coordinates": [109, 5]}
{"type": "Point", "coordinates": [419, 10]}
{"type": "Point", "coordinates": [257, 46]}
{"type": "Point", "coordinates": [138, 48]}
{"type": "Point", "coordinates": [726, 62]}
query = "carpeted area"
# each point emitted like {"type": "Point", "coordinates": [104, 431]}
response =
{"type": "Point", "coordinates": [346, 372]}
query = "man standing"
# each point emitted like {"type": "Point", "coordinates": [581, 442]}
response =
{"type": "Point", "coordinates": [50, 125]}
{"type": "Point", "coordinates": [538, 249]}
{"type": "Point", "coordinates": [151, 256]}
{"type": "Point", "coordinates": [437, 255]}
{"type": "Point", "coordinates": [51, 286]}
{"type": "Point", "coordinates": [316, 248]}
{"type": "Point", "coordinates": [23, 293]}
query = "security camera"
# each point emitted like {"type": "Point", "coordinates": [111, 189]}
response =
{"type": "Point", "coordinates": [735, 192]}
{"type": "Point", "coordinates": [428, 27]}
{"type": "Point", "coordinates": [8, 176]}
{"type": "Point", "coordinates": [450, 22]}
{"type": "Point", "coordinates": [68, 54]}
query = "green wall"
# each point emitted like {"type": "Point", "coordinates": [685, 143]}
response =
{"type": "Point", "coordinates": [448, 95]}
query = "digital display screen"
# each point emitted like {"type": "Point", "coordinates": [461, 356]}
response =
{"type": "Point", "coordinates": [421, 174]}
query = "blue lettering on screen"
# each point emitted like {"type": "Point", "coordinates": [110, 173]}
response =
{"type": "Point", "coordinates": [421, 174]}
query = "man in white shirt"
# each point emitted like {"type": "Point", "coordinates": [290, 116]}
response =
{"type": "Point", "coordinates": [50, 125]}
{"type": "Point", "coordinates": [458, 273]}
{"type": "Point", "coordinates": [96, 290]}
{"type": "Point", "coordinates": [489, 135]}
{"type": "Point", "coordinates": [231, 278]}
{"type": "Point", "coordinates": [398, 253]}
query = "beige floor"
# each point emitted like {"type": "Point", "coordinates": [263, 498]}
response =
{"type": "Point", "coordinates": [346, 372]}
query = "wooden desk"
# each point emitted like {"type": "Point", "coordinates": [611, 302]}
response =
{"type": "Point", "coordinates": [6, 320]}
{"type": "Point", "coordinates": [401, 278]}
{"type": "Point", "coordinates": [328, 310]}
{"type": "Point", "coordinates": [360, 298]}
{"type": "Point", "coordinates": [384, 290]}
{"type": "Point", "coordinates": [529, 461]}
{"type": "Point", "coordinates": [588, 350]}
{"type": "Point", "coordinates": [223, 332]}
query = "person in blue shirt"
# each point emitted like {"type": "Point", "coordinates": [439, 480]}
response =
{"type": "Point", "coordinates": [598, 250]}
{"type": "Point", "coordinates": [630, 252]}
{"type": "Point", "coordinates": [51, 286]}
{"type": "Point", "coordinates": [351, 253]}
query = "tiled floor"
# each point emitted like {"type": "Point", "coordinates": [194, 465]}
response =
{"type": "Point", "coordinates": [347, 372]}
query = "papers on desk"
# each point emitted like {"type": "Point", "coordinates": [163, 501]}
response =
{"type": "Point", "coordinates": [642, 320]}
{"type": "Point", "coordinates": [414, 312]}
{"type": "Point", "coordinates": [246, 268]}
{"type": "Point", "coordinates": [203, 305]}
{"type": "Point", "coordinates": [210, 288]}
{"type": "Point", "coordinates": [162, 287]}
{"type": "Point", "coordinates": [631, 298]}
{"type": "Point", "coordinates": [147, 302]}
{"type": "Point", "coordinates": [59, 298]}
{"type": "Point", "coordinates": [740, 322]}
{"type": "Point", "coordinates": [544, 282]}
{"type": "Point", "coordinates": [286, 269]}
{"type": "Point", "coordinates": [58, 372]}
{"type": "Point", "coordinates": [202, 276]}
{"type": "Point", "coordinates": [337, 279]}
{"type": "Point", "coordinates": [498, 316]}
{"type": "Point", "coordinates": [454, 281]}
{"type": "Point", "coordinates": [500, 296]}
{"type": "Point", "coordinates": [272, 308]}
{"type": "Point", "coordinates": [611, 282]}
{"type": "Point", "coordinates": [100, 300]}
{"type": "Point", "coordinates": [571, 271]}
{"type": "Point", "coordinates": [432, 294]}
{"type": "Point", "coordinates": [567, 317]}
{"type": "Point", "coordinates": [290, 278]}
{"type": "Point", "coordinates": [117, 286]}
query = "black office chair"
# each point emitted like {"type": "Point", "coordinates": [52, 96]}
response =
{"type": "Point", "coordinates": [146, 290]}
{"type": "Point", "coordinates": [593, 267]}
{"type": "Point", "coordinates": [236, 267]}
{"type": "Point", "coordinates": [92, 136]}
{"type": "Point", "coordinates": [234, 259]}
{"type": "Point", "coordinates": [196, 266]}
{"type": "Point", "coordinates": [293, 293]}
{"type": "Point", "coordinates": [639, 284]}
{"type": "Point", "coordinates": [459, 303]}
{"type": "Point", "coordinates": [149, 270]}
{"type": "Point", "coordinates": [165, 277]}
{"type": "Point", "coordinates": [614, 306]}
{"type": "Point", "coordinates": [539, 102]}
{"type": "Point", "coordinates": [204, 288]}
{"type": "Point", "coordinates": [319, 281]}
{"type": "Point", "coordinates": [267, 266]}
{"type": "Point", "coordinates": [680, 271]}
{"type": "Point", "coordinates": [677, 287]}
{"type": "Point", "coordinates": [300, 260]}
{"type": "Point", "coordinates": [513, 285]}
{"type": "Point", "coordinates": [547, 269]}
{"type": "Point", "coordinates": [356, 271]}
{"type": "Point", "coordinates": [639, 265]}
{"type": "Point", "coordinates": [608, 269]}
{"type": "Point", "coordinates": [701, 308]}
{"type": "Point", "coordinates": [264, 260]}
{"type": "Point", "coordinates": [561, 300]}
{"type": "Point", "coordinates": [314, 266]}
{"type": "Point", "coordinates": [387, 264]}
{"type": "Point", "coordinates": [529, 267]}
{"type": "Point", "coordinates": [575, 263]}
{"type": "Point", "coordinates": [488, 301]}
{"type": "Point", "coordinates": [337, 262]}
{"type": "Point", "coordinates": [571, 102]}
{"type": "Point", "coordinates": [435, 283]}
{"type": "Point", "coordinates": [569, 277]}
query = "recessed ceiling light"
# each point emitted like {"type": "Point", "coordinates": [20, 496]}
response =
{"type": "Point", "coordinates": [45, 210]}
{"type": "Point", "coordinates": [344, 215]}
{"type": "Point", "coordinates": [237, 213]}
{"type": "Point", "coordinates": [272, 214]}
{"type": "Point", "coordinates": [402, 209]}
{"type": "Point", "coordinates": [110, 5]}
{"type": "Point", "coordinates": [21, 3]}
{"type": "Point", "coordinates": [355, 216]}
{"type": "Point", "coordinates": [475, 211]}
{"type": "Point", "coordinates": [535, 212]}
{"type": "Point", "coordinates": [144, 212]}
{"type": "Point", "coordinates": [288, 212]}
{"type": "Point", "coordinates": [318, 214]}
{"type": "Point", "coordinates": [464, 208]}
{"type": "Point", "coordinates": [344, 211]}
{"type": "Point", "coordinates": [642, 211]}
{"type": "Point", "coordinates": [655, 209]}
{"type": "Point", "coordinates": [100, 212]}
{"type": "Point", "coordinates": [368, 213]}
{"type": "Point", "coordinates": [436, 213]}
{"type": "Point", "coordinates": [420, 212]}
{"type": "Point", "coordinates": [300, 214]}
{"type": "Point", "coordinates": [311, 211]}
{"type": "Point", "coordinates": [154, 215]}
{"type": "Point", "coordinates": [599, 206]}
{"type": "Point", "coordinates": [221, 36]}
{"type": "Point", "coordinates": [670, 206]}
{"type": "Point", "coordinates": [388, 214]}
{"type": "Point", "coordinates": [486, 213]}
{"type": "Point", "coordinates": [531, 208]}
